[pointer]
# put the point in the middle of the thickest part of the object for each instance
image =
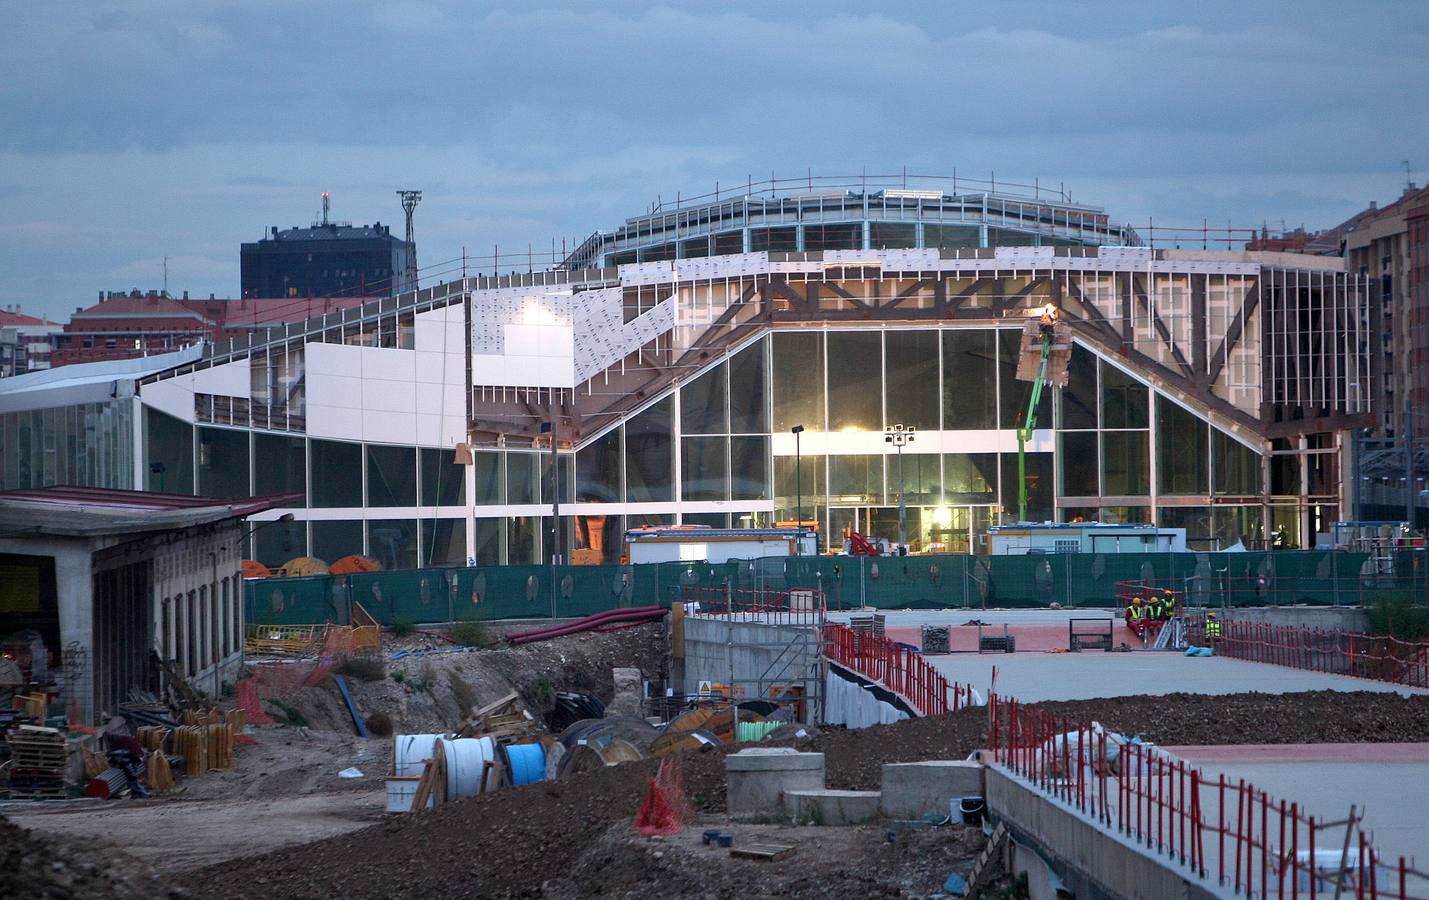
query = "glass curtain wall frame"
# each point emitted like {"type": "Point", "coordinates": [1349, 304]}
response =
{"type": "Point", "coordinates": [223, 463]}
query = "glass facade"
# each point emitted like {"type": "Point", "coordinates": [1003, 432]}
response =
{"type": "Point", "coordinates": [716, 450]}
{"type": "Point", "coordinates": [87, 444]}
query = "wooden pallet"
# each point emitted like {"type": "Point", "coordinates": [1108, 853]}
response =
{"type": "Point", "coordinates": [989, 862]}
{"type": "Point", "coordinates": [763, 852]}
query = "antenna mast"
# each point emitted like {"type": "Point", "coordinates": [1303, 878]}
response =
{"type": "Point", "coordinates": [326, 203]}
{"type": "Point", "coordinates": [410, 199]}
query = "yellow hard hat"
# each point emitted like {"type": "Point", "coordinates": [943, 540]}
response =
{"type": "Point", "coordinates": [1210, 615]}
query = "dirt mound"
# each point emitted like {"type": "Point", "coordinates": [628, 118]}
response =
{"type": "Point", "coordinates": [569, 835]}
{"type": "Point", "coordinates": [424, 693]}
{"type": "Point", "coordinates": [35, 866]}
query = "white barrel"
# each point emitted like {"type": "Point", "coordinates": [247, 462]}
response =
{"type": "Point", "coordinates": [410, 752]}
{"type": "Point", "coordinates": [465, 760]}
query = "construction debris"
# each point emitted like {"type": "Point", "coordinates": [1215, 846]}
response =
{"type": "Point", "coordinates": [38, 757]}
{"type": "Point", "coordinates": [936, 639]}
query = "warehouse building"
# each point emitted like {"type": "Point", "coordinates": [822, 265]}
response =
{"type": "Point", "coordinates": [672, 359]}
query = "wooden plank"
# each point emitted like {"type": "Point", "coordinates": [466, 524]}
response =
{"type": "Point", "coordinates": [424, 787]}
{"type": "Point", "coordinates": [763, 852]}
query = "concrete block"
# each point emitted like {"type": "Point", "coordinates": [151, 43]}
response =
{"type": "Point", "coordinates": [912, 790]}
{"type": "Point", "coordinates": [629, 697]}
{"type": "Point", "coordinates": [759, 776]}
{"type": "Point", "coordinates": [831, 807]}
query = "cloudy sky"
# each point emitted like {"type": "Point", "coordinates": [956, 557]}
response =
{"type": "Point", "coordinates": [146, 129]}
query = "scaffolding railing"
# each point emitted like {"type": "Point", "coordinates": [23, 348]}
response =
{"type": "Point", "coordinates": [898, 668]}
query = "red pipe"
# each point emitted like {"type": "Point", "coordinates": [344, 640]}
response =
{"type": "Point", "coordinates": [634, 614]}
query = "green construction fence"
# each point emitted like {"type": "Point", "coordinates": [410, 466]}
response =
{"type": "Point", "coordinates": [1326, 578]}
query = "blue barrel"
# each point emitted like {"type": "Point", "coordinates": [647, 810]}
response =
{"type": "Point", "coordinates": [528, 763]}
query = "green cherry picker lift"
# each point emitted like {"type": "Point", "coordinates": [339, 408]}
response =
{"type": "Point", "coordinates": [1039, 364]}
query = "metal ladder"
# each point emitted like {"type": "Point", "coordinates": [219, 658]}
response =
{"type": "Point", "coordinates": [1172, 635]}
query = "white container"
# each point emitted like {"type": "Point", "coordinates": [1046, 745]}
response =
{"type": "Point", "coordinates": [410, 752]}
{"type": "Point", "coordinates": [401, 791]}
{"type": "Point", "coordinates": [465, 759]}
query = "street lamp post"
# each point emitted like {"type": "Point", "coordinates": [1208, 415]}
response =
{"type": "Point", "coordinates": [798, 430]}
{"type": "Point", "coordinates": [899, 436]}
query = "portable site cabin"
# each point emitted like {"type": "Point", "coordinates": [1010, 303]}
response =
{"type": "Point", "coordinates": [688, 543]}
{"type": "Point", "coordinates": [1082, 537]}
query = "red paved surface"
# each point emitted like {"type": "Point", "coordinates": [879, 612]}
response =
{"type": "Point", "coordinates": [1269, 753]}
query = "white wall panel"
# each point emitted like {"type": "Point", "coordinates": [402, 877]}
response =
{"type": "Point", "coordinates": [228, 380]}
{"type": "Point", "coordinates": [334, 423]}
{"type": "Point", "coordinates": [173, 396]}
{"type": "Point", "coordinates": [386, 427]}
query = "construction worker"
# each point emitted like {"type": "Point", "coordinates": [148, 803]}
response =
{"type": "Point", "coordinates": [1212, 629]}
{"type": "Point", "coordinates": [1136, 616]}
{"type": "Point", "coordinates": [1168, 606]}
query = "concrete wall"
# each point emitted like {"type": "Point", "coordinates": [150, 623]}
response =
{"type": "Point", "coordinates": [1060, 844]}
{"type": "Point", "coordinates": [751, 653]}
{"type": "Point", "coordinates": [1329, 618]}
{"type": "Point", "coordinates": [74, 590]}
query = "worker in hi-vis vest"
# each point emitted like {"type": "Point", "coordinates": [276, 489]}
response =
{"type": "Point", "coordinates": [1136, 616]}
{"type": "Point", "coordinates": [1212, 629]}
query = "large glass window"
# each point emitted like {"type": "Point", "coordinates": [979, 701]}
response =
{"type": "Point", "coordinates": [784, 239]}
{"type": "Point", "coordinates": [855, 479]}
{"type": "Point", "coordinates": [443, 542]}
{"type": "Point", "coordinates": [922, 478]}
{"type": "Point", "coordinates": [1236, 467]}
{"type": "Point", "coordinates": [276, 543]}
{"type": "Point", "coordinates": [222, 463]}
{"type": "Point", "coordinates": [490, 471]}
{"type": "Point", "coordinates": [798, 380]}
{"type": "Point", "coordinates": [1039, 485]}
{"type": "Point", "coordinates": [856, 381]}
{"type": "Point", "coordinates": [598, 470]}
{"type": "Point", "coordinates": [1125, 464]}
{"type": "Point", "coordinates": [969, 380]}
{"type": "Point", "coordinates": [703, 403]}
{"type": "Point", "coordinates": [749, 391]}
{"type": "Point", "coordinates": [393, 543]}
{"type": "Point", "coordinates": [951, 237]}
{"type": "Point", "coordinates": [489, 537]}
{"type": "Point", "coordinates": [1124, 400]}
{"type": "Point", "coordinates": [1013, 394]}
{"type": "Point", "coordinates": [391, 476]}
{"type": "Point", "coordinates": [566, 467]}
{"type": "Point", "coordinates": [523, 478]}
{"type": "Point", "coordinates": [443, 481]}
{"type": "Point", "coordinates": [705, 470]}
{"type": "Point", "coordinates": [970, 477]}
{"type": "Point", "coordinates": [749, 468]}
{"type": "Point", "coordinates": [893, 235]}
{"type": "Point", "coordinates": [522, 537]}
{"type": "Point", "coordinates": [1079, 463]}
{"type": "Point", "coordinates": [1197, 522]}
{"type": "Point", "coordinates": [598, 539]}
{"type": "Point", "coordinates": [912, 378]}
{"type": "Point", "coordinates": [834, 237]}
{"type": "Point", "coordinates": [792, 481]}
{"type": "Point", "coordinates": [336, 475]}
{"type": "Point", "coordinates": [1079, 397]}
{"type": "Point", "coordinates": [649, 456]}
{"type": "Point", "coordinates": [169, 454]}
{"type": "Point", "coordinates": [333, 540]}
{"type": "Point", "coordinates": [1182, 452]}
{"type": "Point", "coordinates": [1233, 525]}
{"type": "Point", "coordinates": [280, 466]}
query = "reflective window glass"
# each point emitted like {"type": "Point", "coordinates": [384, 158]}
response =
{"type": "Point", "coordinates": [1236, 467]}
{"type": "Point", "coordinates": [1039, 486]}
{"type": "Point", "coordinates": [1125, 464]}
{"type": "Point", "coordinates": [703, 403]}
{"type": "Point", "coordinates": [970, 477]}
{"type": "Point", "coordinates": [649, 454]}
{"type": "Point", "coordinates": [1124, 400]}
{"type": "Point", "coordinates": [1078, 452]}
{"type": "Point", "coordinates": [969, 379]}
{"type": "Point", "coordinates": [798, 380]}
{"type": "Point", "coordinates": [222, 463]}
{"type": "Point", "coordinates": [749, 467]}
{"type": "Point", "coordinates": [443, 542]}
{"type": "Point", "coordinates": [393, 543]}
{"type": "Point", "coordinates": [523, 478]}
{"type": "Point", "coordinates": [1014, 395]}
{"type": "Point", "coordinates": [168, 448]}
{"type": "Point", "coordinates": [1079, 397]}
{"type": "Point", "coordinates": [443, 481]}
{"type": "Point", "coordinates": [856, 382]}
{"type": "Point", "coordinates": [856, 479]}
{"type": "Point", "coordinates": [598, 470]}
{"type": "Point", "coordinates": [332, 540]}
{"type": "Point", "coordinates": [749, 391]}
{"type": "Point", "coordinates": [490, 473]}
{"type": "Point", "coordinates": [912, 378]}
{"type": "Point", "coordinates": [391, 476]}
{"type": "Point", "coordinates": [1182, 452]}
{"type": "Point", "coordinates": [705, 468]}
{"type": "Point", "coordinates": [336, 474]}
{"type": "Point", "coordinates": [279, 466]}
{"type": "Point", "coordinates": [489, 538]}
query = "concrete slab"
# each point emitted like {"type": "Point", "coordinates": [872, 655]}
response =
{"type": "Point", "coordinates": [827, 807]}
{"type": "Point", "coordinates": [912, 790]}
{"type": "Point", "coordinates": [1082, 676]}
{"type": "Point", "coordinates": [1379, 779]}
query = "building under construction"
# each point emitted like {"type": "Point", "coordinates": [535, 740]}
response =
{"type": "Point", "coordinates": [670, 360]}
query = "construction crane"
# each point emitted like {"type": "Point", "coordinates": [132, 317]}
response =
{"type": "Point", "coordinates": [1040, 363]}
